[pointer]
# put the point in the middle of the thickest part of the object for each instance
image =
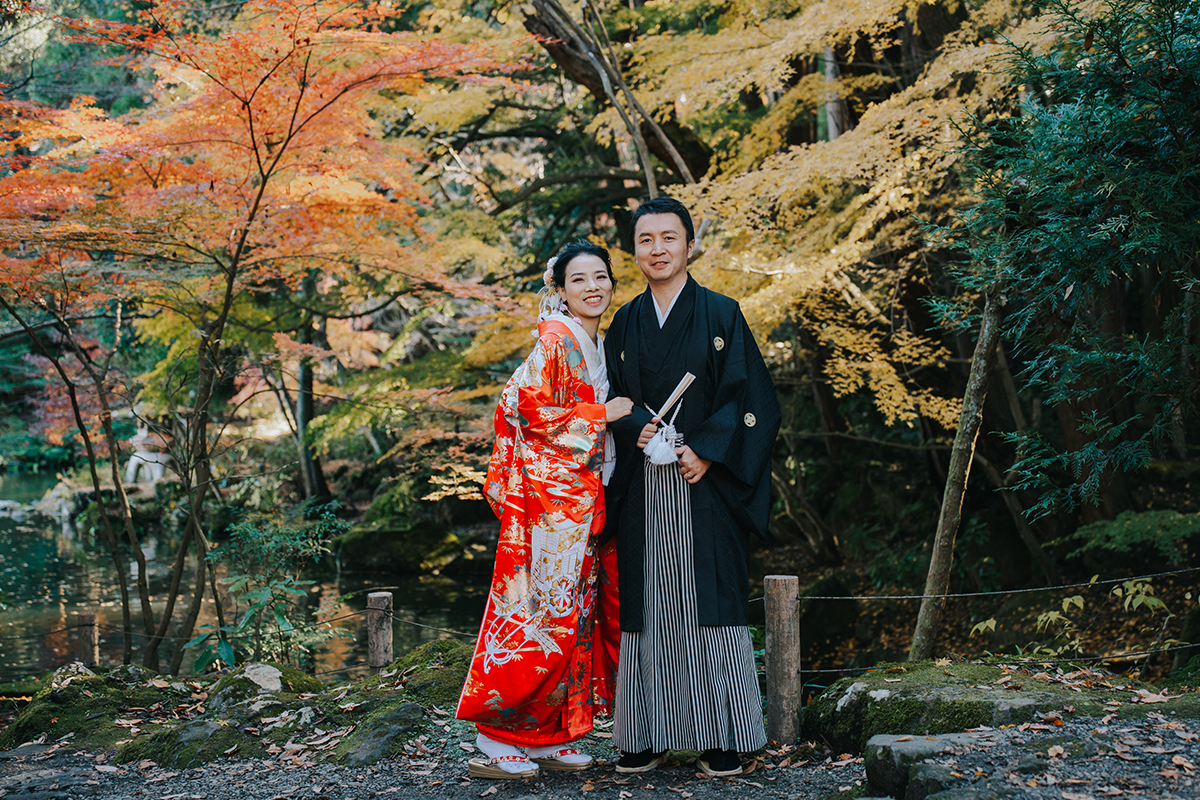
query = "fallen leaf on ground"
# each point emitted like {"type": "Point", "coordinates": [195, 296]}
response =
{"type": "Point", "coordinates": [1076, 796]}
{"type": "Point", "coordinates": [1055, 751]}
{"type": "Point", "coordinates": [470, 748]}
{"type": "Point", "coordinates": [1145, 696]}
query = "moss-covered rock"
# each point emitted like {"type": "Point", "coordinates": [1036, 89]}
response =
{"type": "Point", "coordinates": [928, 698]}
{"type": "Point", "coordinates": [434, 673]}
{"type": "Point", "coordinates": [251, 680]}
{"type": "Point", "coordinates": [382, 733]}
{"type": "Point", "coordinates": [83, 707]}
{"type": "Point", "coordinates": [193, 743]}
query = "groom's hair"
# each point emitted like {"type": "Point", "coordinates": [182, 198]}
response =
{"type": "Point", "coordinates": [666, 205]}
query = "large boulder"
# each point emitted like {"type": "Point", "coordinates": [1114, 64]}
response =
{"type": "Point", "coordinates": [434, 673]}
{"type": "Point", "coordinates": [381, 734]}
{"type": "Point", "coordinates": [88, 709]}
{"type": "Point", "coordinates": [892, 762]}
{"type": "Point", "coordinates": [251, 680]}
{"type": "Point", "coordinates": [924, 698]}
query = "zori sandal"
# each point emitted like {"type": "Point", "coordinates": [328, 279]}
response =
{"type": "Point", "coordinates": [502, 767]}
{"type": "Point", "coordinates": [566, 759]}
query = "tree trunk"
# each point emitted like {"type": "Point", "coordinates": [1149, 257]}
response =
{"type": "Point", "coordinates": [189, 622]}
{"type": "Point", "coordinates": [835, 107]}
{"type": "Point", "coordinates": [310, 468]}
{"type": "Point", "coordinates": [1024, 529]}
{"type": "Point", "coordinates": [1113, 496]}
{"type": "Point", "coordinates": [105, 522]}
{"type": "Point", "coordinates": [151, 654]}
{"type": "Point", "coordinates": [969, 422]}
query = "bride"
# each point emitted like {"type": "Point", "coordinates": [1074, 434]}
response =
{"type": "Point", "coordinates": [545, 660]}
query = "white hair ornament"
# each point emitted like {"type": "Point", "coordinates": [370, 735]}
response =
{"type": "Point", "coordinates": [549, 301]}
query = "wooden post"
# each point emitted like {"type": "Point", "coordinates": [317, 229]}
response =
{"type": "Point", "coordinates": [783, 658]}
{"type": "Point", "coordinates": [379, 630]}
{"type": "Point", "coordinates": [87, 640]}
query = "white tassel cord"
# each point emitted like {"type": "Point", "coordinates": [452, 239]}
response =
{"type": "Point", "coordinates": [661, 448]}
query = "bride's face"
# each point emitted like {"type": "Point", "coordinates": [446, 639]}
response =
{"type": "Point", "coordinates": [588, 289]}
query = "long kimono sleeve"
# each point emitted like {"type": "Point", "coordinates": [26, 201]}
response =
{"type": "Point", "coordinates": [542, 408]}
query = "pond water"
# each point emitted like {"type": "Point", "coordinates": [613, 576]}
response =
{"type": "Point", "coordinates": [49, 573]}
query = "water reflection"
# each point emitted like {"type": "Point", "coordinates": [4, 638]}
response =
{"type": "Point", "coordinates": [49, 575]}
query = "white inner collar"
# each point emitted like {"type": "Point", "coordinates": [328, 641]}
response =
{"type": "Point", "coordinates": [662, 315]}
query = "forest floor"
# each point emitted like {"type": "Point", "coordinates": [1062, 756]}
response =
{"type": "Point", "coordinates": [1085, 759]}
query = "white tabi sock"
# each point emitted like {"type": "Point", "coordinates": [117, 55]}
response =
{"type": "Point", "coordinates": [494, 749]}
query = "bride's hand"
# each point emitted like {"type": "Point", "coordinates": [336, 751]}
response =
{"type": "Point", "coordinates": [617, 407]}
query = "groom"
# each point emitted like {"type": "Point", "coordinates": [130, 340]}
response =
{"type": "Point", "coordinates": [686, 678]}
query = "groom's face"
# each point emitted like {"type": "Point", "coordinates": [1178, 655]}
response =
{"type": "Point", "coordinates": [661, 248]}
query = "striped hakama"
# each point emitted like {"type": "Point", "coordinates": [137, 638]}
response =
{"type": "Point", "coordinates": [681, 686]}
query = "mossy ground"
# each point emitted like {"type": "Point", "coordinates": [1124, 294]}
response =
{"type": "Point", "coordinates": [146, 716]}
{"type": "Point", "coordinates": [86, 712]}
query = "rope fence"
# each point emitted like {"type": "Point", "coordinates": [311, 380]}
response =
{"type": "Point", "coordinates": [782, 614]}
{"type": "Point", "coordinates": [1025, 660]}
{"type": "Point", "coordinates": [997, 593]}
{"type": "Point", "coordinates": [231, 637]}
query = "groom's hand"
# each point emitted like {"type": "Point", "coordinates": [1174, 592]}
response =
{"type": "Point", "coordinates": [691, 466]}
{"type": "Point", "coordinates": [648, 433]}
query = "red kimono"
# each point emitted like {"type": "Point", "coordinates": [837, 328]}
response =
{"type": "Point", "coordinates": [545, 660]}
